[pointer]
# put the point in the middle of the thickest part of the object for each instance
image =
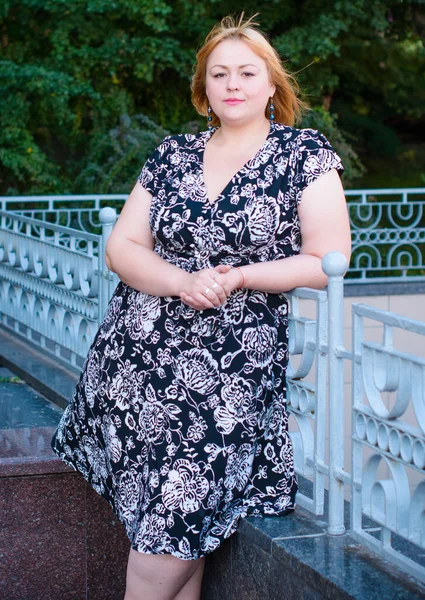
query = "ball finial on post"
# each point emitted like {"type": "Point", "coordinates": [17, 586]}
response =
{"type": "Point", "coordinates": [107, 215]}
{"type": "Point", "coordinates": [334, 264]}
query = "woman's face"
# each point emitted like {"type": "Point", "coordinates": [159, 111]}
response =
{"type": "Point", "coordinates": [235, 72]}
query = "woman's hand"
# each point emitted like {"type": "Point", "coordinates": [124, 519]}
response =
{"type": "Point", "coordinates": [230, 279]}
{"type": "Point", "coordinates": [209, 288]}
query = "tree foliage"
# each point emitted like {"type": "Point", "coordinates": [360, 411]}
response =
{"type": "Point", "coordinates": [89, 86]}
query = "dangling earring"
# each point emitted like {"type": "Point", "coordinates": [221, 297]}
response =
{"type": "Point", "coordinates": [209, 117]}
{"type": "Point", "coordinates": [271, 114]}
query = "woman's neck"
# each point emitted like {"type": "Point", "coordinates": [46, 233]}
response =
{"type": "Point", "coordinates": [237, 135]}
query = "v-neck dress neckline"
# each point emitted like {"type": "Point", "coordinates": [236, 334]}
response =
{"type": "Point", "coordinates": [206, 137]}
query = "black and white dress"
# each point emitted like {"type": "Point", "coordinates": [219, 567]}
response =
{"type": "Point", "coordinates": [179, 418]}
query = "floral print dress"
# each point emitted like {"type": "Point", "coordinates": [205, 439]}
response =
{"type": "Point", "coordinates": [179, 418]}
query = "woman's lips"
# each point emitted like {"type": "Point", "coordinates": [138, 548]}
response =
{"type": "Point", "coordinates": [233, 101]}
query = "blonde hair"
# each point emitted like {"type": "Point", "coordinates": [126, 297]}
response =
{"type": "Point", "coordinates": [288, 106]}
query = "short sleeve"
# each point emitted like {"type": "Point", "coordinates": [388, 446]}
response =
{"type": "Point", "coordinates": [154, 168]}
{"type": "Point", "coordinates": [315, 157]}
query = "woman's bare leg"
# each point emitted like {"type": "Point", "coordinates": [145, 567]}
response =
{"type": "Point", "coordinates": [157, 577]}
{"type": "Point", "coordinates": [192, 589]}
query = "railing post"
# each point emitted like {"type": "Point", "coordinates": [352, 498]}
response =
{"type": "Point", "coordinates": [107, 217]}
{"type": "Point", "coordinates": [335, 265]}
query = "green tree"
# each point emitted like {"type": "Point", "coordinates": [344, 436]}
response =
{"type": "Point", "coordinates": [77, 76]}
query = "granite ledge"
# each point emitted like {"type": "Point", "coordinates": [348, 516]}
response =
{"type": "Point", "coordinates": [335, 566]}
{"type": "Point", "coordinates": [21, 467]}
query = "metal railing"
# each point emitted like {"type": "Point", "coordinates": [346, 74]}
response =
{"type": "Point", "coordinates": [383, 509]}
{"type": "Point", "coordinates": [307, 381]}
{"type": "Point", "coordinates": [392, 437]}
{"type": "Point", "coordinates": [51, 276]}
{"type": "Point", "coordinates": [54, 284]}
{"type": "Point", "coordinates": [388, 227]}
{"type": "Point", "coordinates": [79, 212]}
{"type": "Point", "coordinates": [388, 235]}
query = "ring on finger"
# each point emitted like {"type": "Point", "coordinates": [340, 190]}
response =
{"type": "Point", "coordinates": [206, 291]}
{"type": "Point", "coordinates": [215, 284]}
{"type": "Point", "coordinates": [216, 275]}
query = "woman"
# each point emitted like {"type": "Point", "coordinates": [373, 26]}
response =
{"type": "Point", "coordinates": [179, 419]}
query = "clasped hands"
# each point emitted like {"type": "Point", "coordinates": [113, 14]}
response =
{"type": "Point", "coordinates": [209, 288]}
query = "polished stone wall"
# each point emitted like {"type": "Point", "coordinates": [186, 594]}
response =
{"type": "Point", "coordinates": [294, 558]}
{"type": "Point", "coordinates": [61, 540]}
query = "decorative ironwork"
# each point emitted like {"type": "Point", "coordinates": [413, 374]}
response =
{"type": "Point", "coordinates": [388, 235]}
{"type": "Point", "coordinates": [77, 212]}
{"type": "Point", "coordinates": [54, 285]}
{"type": "Point", "coordinates": [394, 441]}
{"type": "Point", "coordinates": [388, 227]}
{"type": "Point", "coordinates": [307, 392]}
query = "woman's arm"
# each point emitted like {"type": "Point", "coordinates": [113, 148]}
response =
{"type": "Point", "coordinates": [129, 250]}
{"type": "Point", "coordinates": [325, 227]}
{"type": "Point", "coordinates": [129, 253]}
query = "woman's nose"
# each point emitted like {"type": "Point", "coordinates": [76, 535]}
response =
{"type": "Point", "coordinates": [233, 82]}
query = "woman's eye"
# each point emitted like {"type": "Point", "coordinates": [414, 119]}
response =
{"type": "Point", "coordinates": [218, 75]}
{"type": "Point", "coordinates": [249, 74]}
